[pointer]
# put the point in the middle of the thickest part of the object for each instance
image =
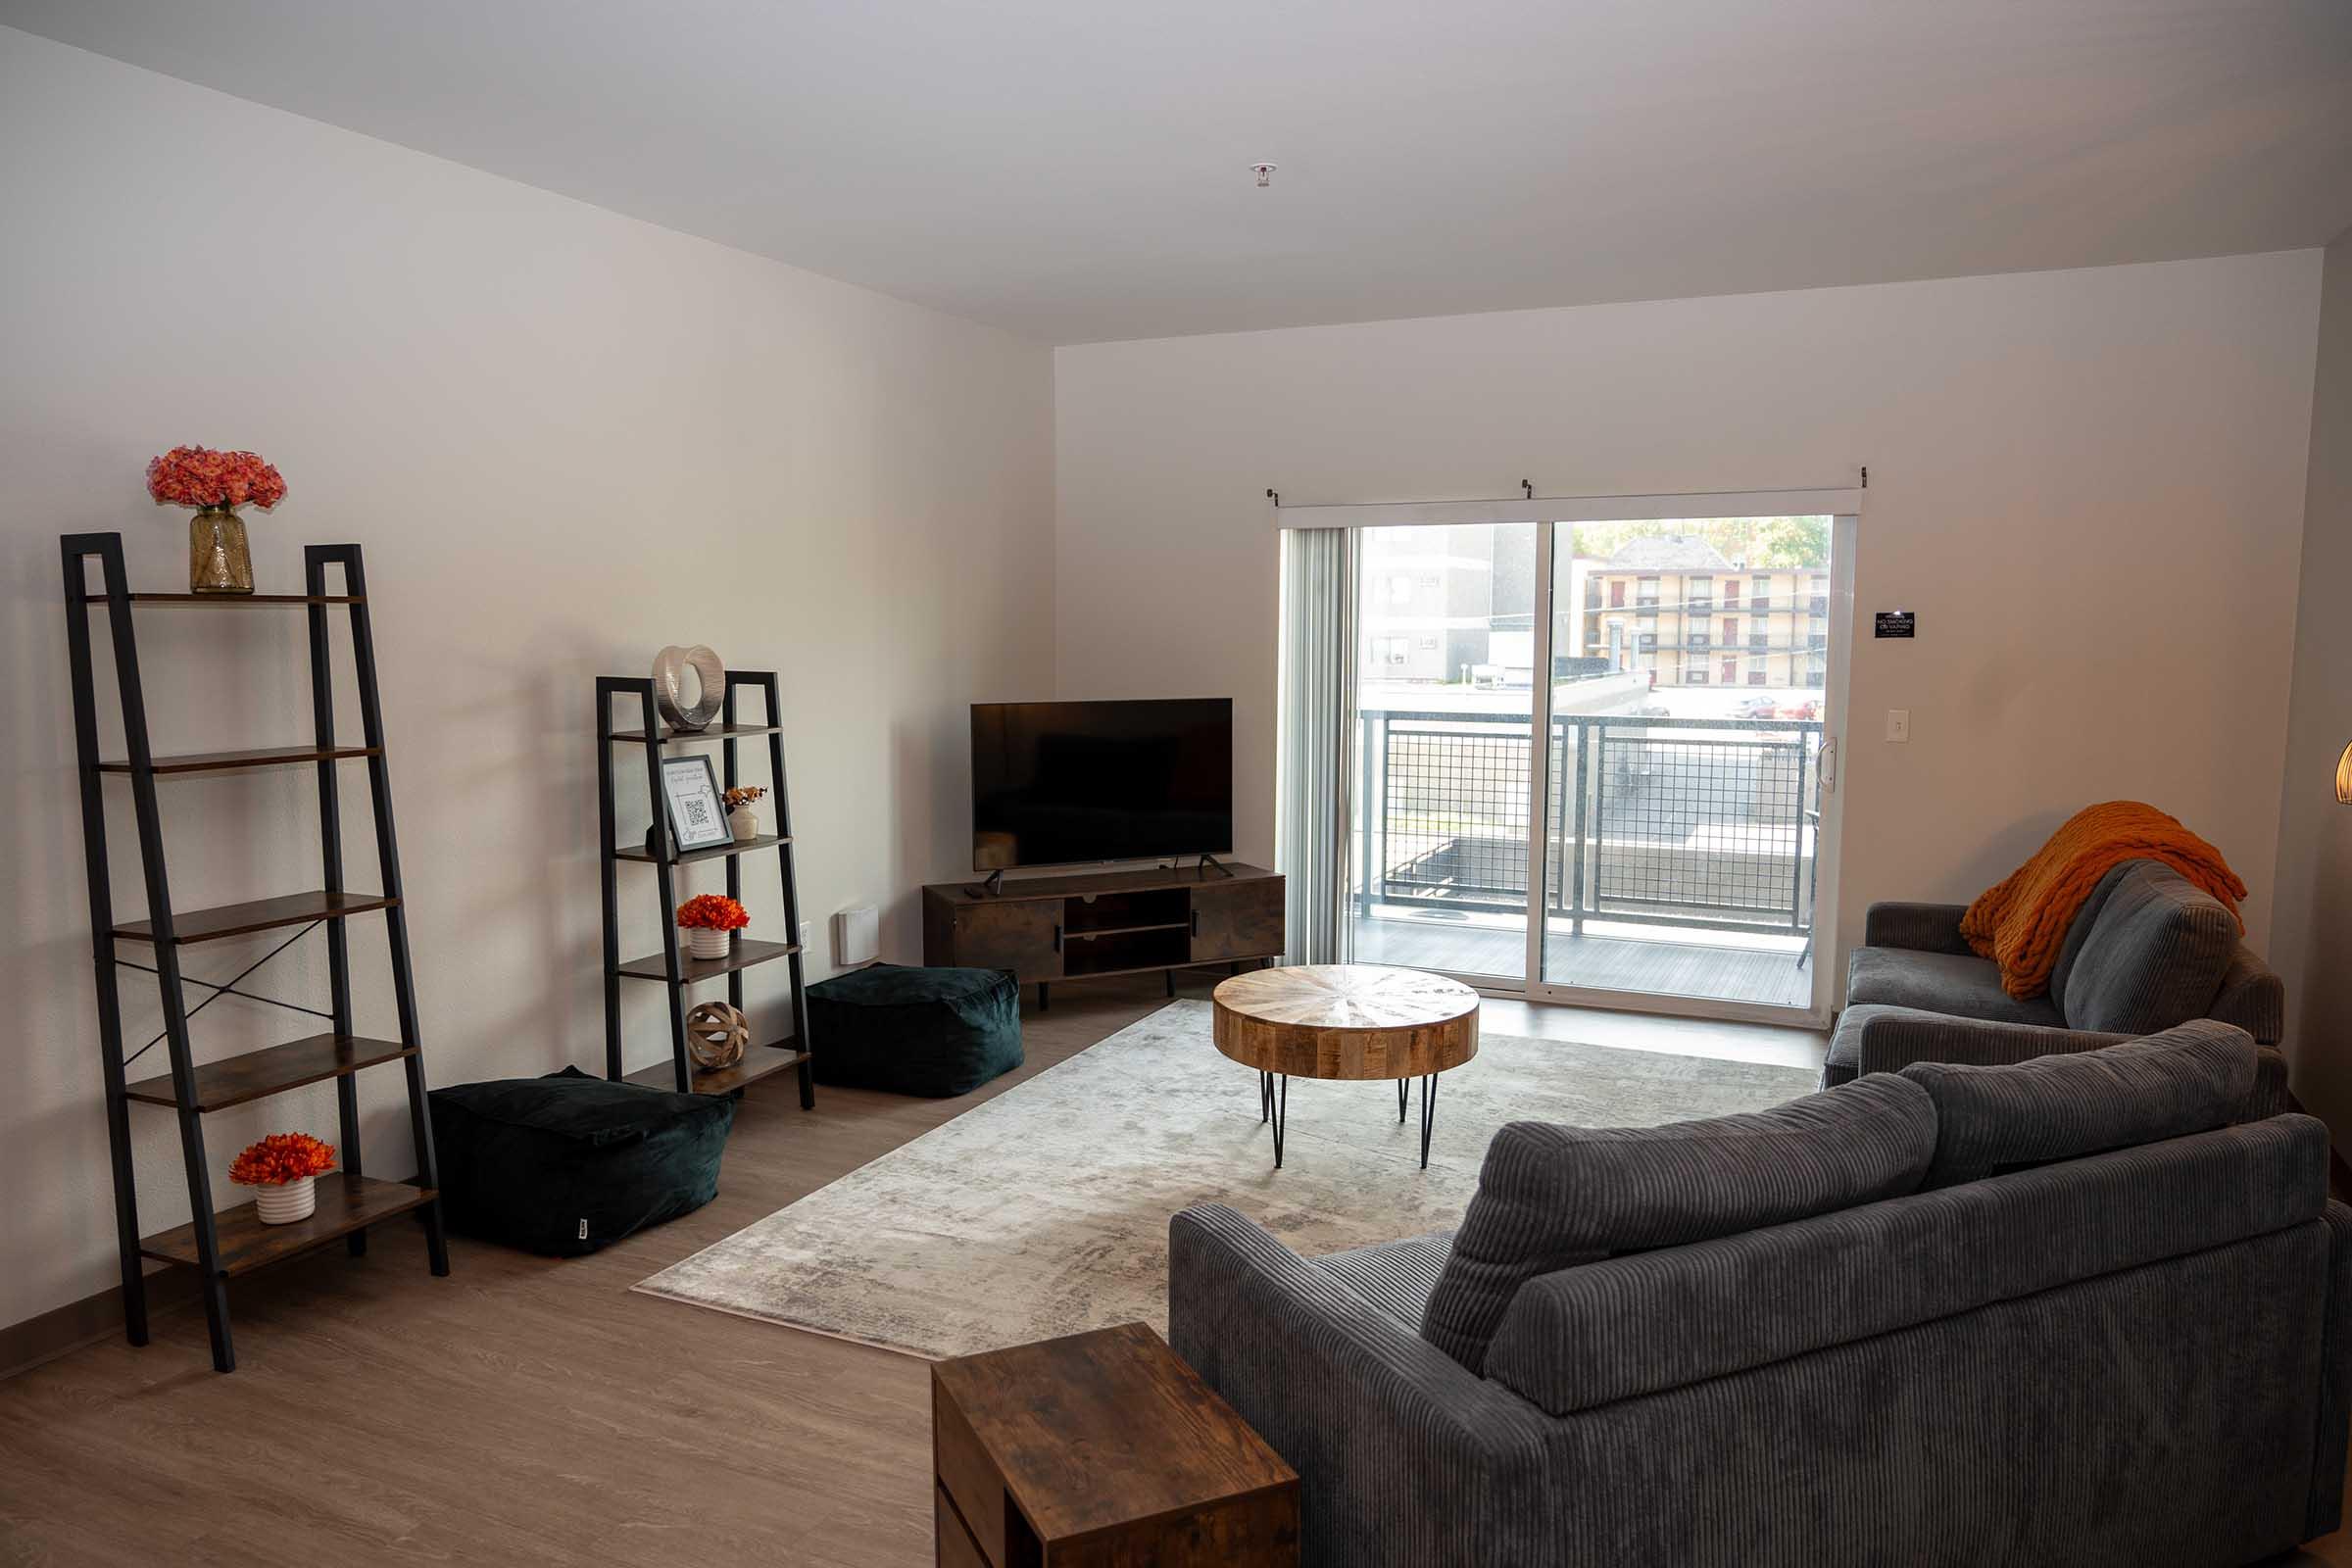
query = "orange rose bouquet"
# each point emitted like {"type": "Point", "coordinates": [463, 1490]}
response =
{"type": "Point", "coordinates": [283, 1168]}
{"type": "Point", "coordinates": [215, 484]}
{"type": "Point", "coordinates": [706, 919]}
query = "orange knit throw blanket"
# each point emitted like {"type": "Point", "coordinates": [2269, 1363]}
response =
{"type": "Point", "coordinates": [2021, 924]}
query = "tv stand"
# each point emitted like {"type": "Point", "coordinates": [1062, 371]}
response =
{"type": "Point", "coordinates": [1050, 929]}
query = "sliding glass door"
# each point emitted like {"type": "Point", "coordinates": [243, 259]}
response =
{"type": "Point", "coordinates": [1639, 709]}
{"type": "Point", "coordinates": [1444, 709]}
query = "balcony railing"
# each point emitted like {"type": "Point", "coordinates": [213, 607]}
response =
{"type": "Point", "coordinates": [1694, 822]}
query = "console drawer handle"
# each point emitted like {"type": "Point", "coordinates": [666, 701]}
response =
{"type": "Point", "coordinates": [1057, 936]}
{"type": "Point", "coordinates": [1195, 923]}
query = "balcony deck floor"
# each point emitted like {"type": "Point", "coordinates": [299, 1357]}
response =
{"type": "Point", "coordinates": [1659, 966]}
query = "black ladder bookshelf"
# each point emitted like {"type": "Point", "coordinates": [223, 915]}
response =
{"type": "Point", "coordinates": [234, 1241]}
{"type": "Point", "coordinates": [671, 966]}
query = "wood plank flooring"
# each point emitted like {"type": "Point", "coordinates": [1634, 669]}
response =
{"type": "Point", "coordinates": [538, 1411]}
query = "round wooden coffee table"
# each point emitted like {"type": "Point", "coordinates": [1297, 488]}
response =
{"type": "Point", "coordinates": [1345, 1020]}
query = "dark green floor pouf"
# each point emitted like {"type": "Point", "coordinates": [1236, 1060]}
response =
{"type": "Point", "coordinates": [568, 1163]}
{"type": "Point", "coordinates": [915, 1031]}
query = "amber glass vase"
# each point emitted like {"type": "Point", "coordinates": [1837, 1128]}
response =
{"type": "Point", "coordinates": [218, 562]}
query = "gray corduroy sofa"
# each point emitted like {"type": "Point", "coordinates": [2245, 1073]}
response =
{"type": "Point", "coordinates": [2148, 950]}
{"type": "Point", "coordinates": [2073, 1311]}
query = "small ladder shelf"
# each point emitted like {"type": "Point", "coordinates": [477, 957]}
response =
{"type": "Point", "coordinates": [233, 1242]}
{"type": "Point", "coordinates": [672, 967]}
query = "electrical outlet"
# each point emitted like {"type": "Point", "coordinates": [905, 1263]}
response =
{"type": "Point", "coordinates": [807, 936]}
{"type": "Point", "coordinates": [1898, 723]}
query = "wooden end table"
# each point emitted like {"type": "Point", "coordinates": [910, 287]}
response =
{"type": "Point", "coordinates": [1345, 1020]}
{"type": "Point", "coordinates": [1101, 1449]}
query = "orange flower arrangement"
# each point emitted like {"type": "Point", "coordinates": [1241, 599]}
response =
{"type": "Point", "coordinates": [198, 476]}
{"type": "Point", "coordinates": [282, 1157]}
{"type": "Point", "coordinates": [713, 912]}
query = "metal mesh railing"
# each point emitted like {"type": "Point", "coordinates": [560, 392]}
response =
{"type": "Point", "coordinates": [1682, 821]}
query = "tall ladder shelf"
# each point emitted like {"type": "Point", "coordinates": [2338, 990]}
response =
{"type": "Point", "coordinates": [672, 967]}
{"type": "Point", "coordinates": [234, 1241]}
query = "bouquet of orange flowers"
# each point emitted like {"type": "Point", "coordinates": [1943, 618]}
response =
{"type": "Point", "coordinates": [198, 476]}
{"type": "Point", "coordinates": [713, 912]}
{"type": "Point", "coordinates": [282, 1157]}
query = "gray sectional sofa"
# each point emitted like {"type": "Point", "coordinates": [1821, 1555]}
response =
{"type": "Point", "coordinates": [2080, 1311]}
{"type": "Point", "coordinates": [2147, 951]}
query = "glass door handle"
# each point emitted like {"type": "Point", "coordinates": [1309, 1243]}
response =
{"type": "Point", "coordinates": [1829, 765]}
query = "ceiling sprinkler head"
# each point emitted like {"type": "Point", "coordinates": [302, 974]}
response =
{"type": "Point", "coordinates": [1264, 173]}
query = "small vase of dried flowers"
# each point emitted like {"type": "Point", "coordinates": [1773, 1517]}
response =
{"type": "Point", "coordinates": [709, 919]}
{"type": "Point", "coordinates": [215, 484]}
{"type": "Point", "coordinates": [284, 1171]}
{"type": "Point", "coordinates": [742, 820]}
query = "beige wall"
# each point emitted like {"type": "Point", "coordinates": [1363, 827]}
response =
{"type": "Point", "coordinates": [564, 438]}
{"type": "Point", "coordinates": [2088, 485]}
{"type": "Point", "coordinates": [2315, 841]}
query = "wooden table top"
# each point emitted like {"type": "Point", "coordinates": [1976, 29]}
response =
{"type": "Point", "coordinates": [1346, 1020]}
{"type": "Point", "coordinates": [1097, 1429]}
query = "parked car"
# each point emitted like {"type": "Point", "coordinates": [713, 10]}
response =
{"type": "Point", "coordinates": [1754, 707]}
{"type": "Point", "coordinates": [1810, 708]}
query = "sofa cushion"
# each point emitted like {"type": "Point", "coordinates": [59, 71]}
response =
{"type": "Point", "coordinates": [2085, 917]}
{"type": "Point", "coordinates": [1396, 1276]}
{"type": "Point", "coordinates": [1960, 984]}
{"type": "Point", "coordinates": [1991, 1120]}
{"type": "Point", "coordinates": [2153, 957]}
{"type": "Point", "coordinates": [1550, 1198]}
{"type": "Point", "coordinates": [1628, 1326]}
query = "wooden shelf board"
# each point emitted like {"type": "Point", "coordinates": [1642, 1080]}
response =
{"type": "Point", "coordinates": [218, 762]}
{"type": "Point", "coordinates": [713, 732]}
{"type": "Point", "coordinates": [257, 1074]}
{"type": "Point", "coordinates": [716, 851]}
{"type": "Point", "coordinates": [746, 953]}
{"type": "Point", "coordinates": [258, 915]}
{"type": "Point", "coordinates": [232, 599]}
{"type": "Point", "coordinates": [1155, 968]}
{"type": "Point", "coordinates": [346, 1204]}
{"type": "Point", "coordinates": [758, 1063]}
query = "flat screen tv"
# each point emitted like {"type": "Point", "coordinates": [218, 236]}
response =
{"type": "Point", "coordinates": [1062, 783]}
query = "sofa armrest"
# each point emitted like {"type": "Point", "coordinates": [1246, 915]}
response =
{"type": "Point", "coordinates": [2252, 996]}
{"type": "Point", "coordinates": [1920, 927]}
{"type": "Point", "coordinates": [1890, 1038]}
{"type": "Point", "coordinates": [1403, 1455]}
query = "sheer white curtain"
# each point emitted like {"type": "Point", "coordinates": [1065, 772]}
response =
{"type": "Point", "coordinates": [1317, 708]}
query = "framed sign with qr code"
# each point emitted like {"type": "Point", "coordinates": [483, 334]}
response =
{"type": "Point", "coordinates": [697, 819]}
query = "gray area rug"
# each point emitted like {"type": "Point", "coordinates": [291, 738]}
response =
{"type": "Point", "coordinates": [1044, 1211]}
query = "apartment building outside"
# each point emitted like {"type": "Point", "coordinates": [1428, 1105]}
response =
{"type": "Point", "coordinates": [1674, 606]}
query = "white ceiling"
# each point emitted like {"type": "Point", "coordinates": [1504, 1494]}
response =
{"type": "Point", "coordinates": [1078, 169]}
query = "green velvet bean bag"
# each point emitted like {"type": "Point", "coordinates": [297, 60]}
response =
{"type": "Point", "coordinates": [568, 1163]}
{"type": "Point", "coordinates": [915, 1031]}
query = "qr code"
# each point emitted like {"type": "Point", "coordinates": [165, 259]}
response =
{"type": "Point", "coordinates": [698, 813]}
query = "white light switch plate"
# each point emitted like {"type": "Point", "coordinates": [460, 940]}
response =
{"type": "Point", "coordinates": [1898, 723]}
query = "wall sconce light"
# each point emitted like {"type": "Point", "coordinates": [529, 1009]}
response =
{"type": "Point", "coordinates": [2343, 778]}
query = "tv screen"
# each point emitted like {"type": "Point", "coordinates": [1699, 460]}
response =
{"type": "Point", "coordinates": [1057, 783]}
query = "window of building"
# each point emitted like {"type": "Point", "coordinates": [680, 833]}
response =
{"type": "Point", "coordinates": [1699, 592]}
{"type": "Point", "coordinates": [1400, 588]}
{"type": "Point", "coordinates": [1696, 675]}
{"type": "Point", "coordinates": [1646, 592]}
{"type": "Point", "coordinates": [1387, 651]}
{"type": "Point", "coordinates": [1755, 674]}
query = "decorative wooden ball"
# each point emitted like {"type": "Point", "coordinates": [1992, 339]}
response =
{"type": "Point", "coordinates": [716, 1034]}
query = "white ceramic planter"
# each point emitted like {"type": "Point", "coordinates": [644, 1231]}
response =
{"type": "Point", "coordinates": [743, 823]}
{"type": "Point", "coordinates": [704, 943]}
{"type": "Point", "coordinates": [288, 1201]}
